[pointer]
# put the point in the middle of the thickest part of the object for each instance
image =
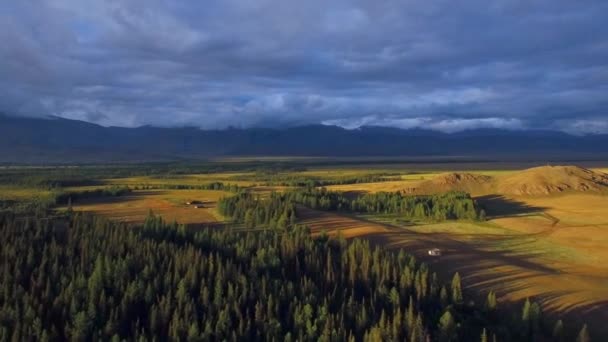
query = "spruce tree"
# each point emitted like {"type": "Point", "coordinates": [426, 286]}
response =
{"type": "Point", "coordinates": [525, 312]}
{"type": "Point", "coordinates": [484, 336]}
{"type": "Point", "coordinates": [583, 335]}
{"type": "Point", "coordinates": [558, 330]}
{"type": "Point", "coordinates": [456, 289]}
{"type": "Point", "coordinates": [491, 301]}
{"type": "Point", "coordinates": [447, 326]}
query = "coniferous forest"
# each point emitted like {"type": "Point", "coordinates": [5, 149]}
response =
{"type": "Point", "coordinates": [280, 209]}
{"type": "Point", "coordinates": [444, 206]}
{"type": "Point", "coordinates": [81, 277]}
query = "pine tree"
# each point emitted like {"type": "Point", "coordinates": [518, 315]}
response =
{"type": "Point", "coordinates": [394, 298]}
{"type": "Point", "coordinates": [447, 326]}
{"type": "Point", "coordinates": [583, 335]}
{"type": "Point", "coordinates": [456, 288]}
{"type": "Point", "coordinates": [443, 296]}
{"type": "Point", "coordinates": [558, 331]}
{"type": "Point", "coordinates": [525, 312]}
{"type": "Point", "coordinates": [484, 336]}
{"type": "Point", "coordinates": [193, 332]}
{"type": "Point", "coordinates": [491, 301]}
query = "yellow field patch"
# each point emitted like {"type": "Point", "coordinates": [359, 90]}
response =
{"type": "Point", "coordinates": [333, 224]}
{"type": "Point", "coordinates": [390, 186]}
{"type": "Point", "coordinates": [170, 204]}
{"type": "Point", "coordinates": [552, 249]}
{"type": "Point", "coordinates": [20, 194]}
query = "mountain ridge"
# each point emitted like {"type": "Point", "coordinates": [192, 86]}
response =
{"type": "Point", "coordinates": [38, 140]}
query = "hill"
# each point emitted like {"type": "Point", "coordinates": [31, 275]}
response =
{"type": "Point", "coordinates": [547, 180]}
{"type": "Point", "coordinates": [57, 140]}
{"type": "Point", "coordinates": [467, 182]}
{"type": "Point", "coordinates": [537, 181]}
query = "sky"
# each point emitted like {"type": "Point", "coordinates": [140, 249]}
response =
{"type": "Point", "coordinates": [442, 65]}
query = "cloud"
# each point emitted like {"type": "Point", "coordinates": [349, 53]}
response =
{"type": "Point", "coordinates": [577, 126]}
{"type": "Point", "coordinates": [435, 123]}
{"type": "Point", "coordinates": [214, 64]}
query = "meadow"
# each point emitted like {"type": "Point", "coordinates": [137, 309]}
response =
{"type": "Point", "coordinates": [170, 204]}
{"type": "Point", "coordinates": [551, 248]}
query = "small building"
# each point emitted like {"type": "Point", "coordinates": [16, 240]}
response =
{"type": "Point", "coordinates": [434, 252]}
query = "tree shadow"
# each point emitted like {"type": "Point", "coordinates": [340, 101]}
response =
{"type": "Point", "coordinates": [353, 194]}
{"type": "Point", "coordinates": [497, 206]}
{"type": "Point", "coordinates": [132, 196]}
{"type": "Point", "coordinates": [509, 264]}
{"type": "Point", "coordinates": [594, 313]}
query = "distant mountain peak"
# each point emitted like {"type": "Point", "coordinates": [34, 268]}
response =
{"type": "Point", "coordinates": [55, 139]}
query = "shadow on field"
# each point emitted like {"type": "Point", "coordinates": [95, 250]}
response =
{"type": "Point", "coordinates": [353, 194]}
{"type": "Point", "coordinates": [511, 265]}
{"type": "Point", "coordinates": [214, 225]}
{"type": "Point", "coordinates": [497, 206]}
{"type": "Point", "coordinates": [132, 196]}
{"type": "Point", "coordinates": [576, 313]}
{"type": "Point", "coordinates": [510, 271]}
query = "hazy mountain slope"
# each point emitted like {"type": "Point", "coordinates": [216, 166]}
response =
{"type": "Point", "coordinates": [28, 140]}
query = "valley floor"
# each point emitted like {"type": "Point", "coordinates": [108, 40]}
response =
{"type": "Point", "coordinates": [553, 249]}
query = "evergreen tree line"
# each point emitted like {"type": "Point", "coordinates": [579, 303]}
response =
{"type": "Point", "coordinates": [295, 180]}
{"type": "Point", "coordinates": [208, 186]}
{"type": "Point", "coordinates": [276, 211]}
{"type": "Point", "coordinates": [82, 277]}
{"type": "Point", "coordinates": [446, 206]}
{"type": "Point", "coordinates": [63, 176]}
{"type": "Point", "coordinates": [45, 180]}
{"type": "Point", "coordinates": [279, 209]}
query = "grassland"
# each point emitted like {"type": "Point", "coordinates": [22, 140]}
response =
{"type": "Point", "coordinates": [521, 256]}
{"type": "Point", "coordinates": [15, 193]}
{"type": "Point", "coordinates": [170, 204]}
{"type": "Point", "coordinates": [552, 248]}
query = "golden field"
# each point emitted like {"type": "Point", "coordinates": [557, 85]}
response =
{"type": "Point", "coordinates": [552, 247]}
{"type": "Point", "coordinates": [170, 204]}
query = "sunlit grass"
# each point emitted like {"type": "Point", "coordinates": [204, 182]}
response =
{"type": "Point", "coordinates": [20, 193]}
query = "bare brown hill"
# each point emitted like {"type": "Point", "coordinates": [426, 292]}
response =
{"type": "Point", "coordinates": [537, 181]}
{"type": "Point", "coordinates": [546, 180]}
{"type": "Point", "coordinates": [467, 182]}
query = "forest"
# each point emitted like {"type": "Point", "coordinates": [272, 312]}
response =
{"type": "Point", "coordinates": [280, 209]}
{"type": "Point", "coordinates": [268, 177]}
{"type": "Point", "coordinates": [445, 206]}
{"type": "Point", "coordinates": [80, 277]}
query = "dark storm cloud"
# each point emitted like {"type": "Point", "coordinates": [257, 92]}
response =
{"type": "Point", "coordinates": [438, 64]}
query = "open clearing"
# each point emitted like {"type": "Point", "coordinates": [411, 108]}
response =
{"type": "Point", "coordinates": [552, 248]}
{"type": "Point", "coordinates": [170, 204]}
{"type": "Point", "coordinates": [562, 265]}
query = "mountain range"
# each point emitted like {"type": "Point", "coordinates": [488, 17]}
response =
{"type": "Point", "coordinates": [59, 140]}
